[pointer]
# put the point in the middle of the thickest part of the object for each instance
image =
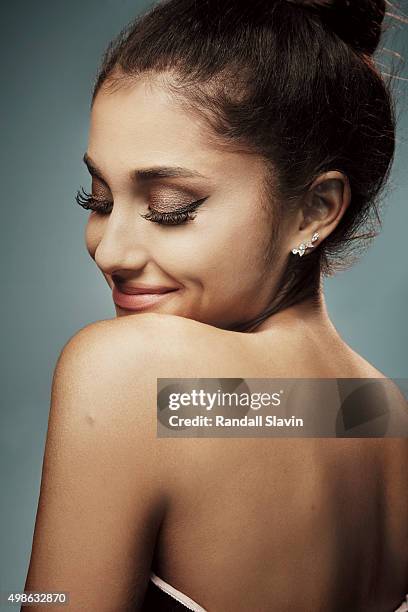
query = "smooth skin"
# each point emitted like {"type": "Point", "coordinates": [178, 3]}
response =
{"type": "Point", "coordinates": [238, 524]}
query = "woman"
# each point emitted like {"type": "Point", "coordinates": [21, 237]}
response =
{"type": "Point", "coordinates": [236, 152]}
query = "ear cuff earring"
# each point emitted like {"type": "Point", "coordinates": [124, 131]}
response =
{"type": "Point", "coordinates": [304, 245]}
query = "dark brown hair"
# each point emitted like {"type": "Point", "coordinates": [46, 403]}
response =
{"type": "Point", "coordinates": [294, 81]}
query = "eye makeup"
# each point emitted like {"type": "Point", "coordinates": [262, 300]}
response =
{"type": "Point", "coordinates": [177, 216]}
{"type": "Point", "coordinates": [171, 205]}
{"type": "Point", "coordinates": [91, 202]}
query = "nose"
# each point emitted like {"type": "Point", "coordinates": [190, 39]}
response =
{"type": "Point", "coordinates": [122, 244]}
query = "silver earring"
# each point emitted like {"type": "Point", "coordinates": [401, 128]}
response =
{"type": "Point", "coordinates": [304, 245]}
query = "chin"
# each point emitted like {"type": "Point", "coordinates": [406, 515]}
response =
{"type": "Point", "coordinates": [123, 312]}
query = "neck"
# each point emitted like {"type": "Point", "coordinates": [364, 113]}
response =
{"type": "Point", "coordinates": [311, 311]}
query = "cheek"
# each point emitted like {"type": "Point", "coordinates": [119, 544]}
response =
{"type": "Point", "coordinates": [220, 248]}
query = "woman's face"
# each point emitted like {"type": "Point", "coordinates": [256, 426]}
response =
{"type": "Point", "coordinates": [146, 155]}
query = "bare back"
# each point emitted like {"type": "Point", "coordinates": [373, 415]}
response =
{"type": "Point", "coordinates": [280, 524]}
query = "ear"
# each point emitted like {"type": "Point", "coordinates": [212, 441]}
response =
{"type": "Point", "coordinates": [322, 207]}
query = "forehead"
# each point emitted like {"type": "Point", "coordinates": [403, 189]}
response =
{"type": "Point", "coordinates": [140, 123]}
{"type": "Point", "coordinates": [141, 112]}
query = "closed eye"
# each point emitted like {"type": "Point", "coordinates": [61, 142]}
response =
{"type": "Point", "coordinates": [104, 207]}
{"type": "Point", "coordinates": [176, 217]}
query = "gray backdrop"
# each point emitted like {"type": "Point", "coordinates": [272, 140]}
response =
{"type": "Point", "coordinates": [51, 288]}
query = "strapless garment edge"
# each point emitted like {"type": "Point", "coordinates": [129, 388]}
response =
{"type": "Point", "coordinates": [177, 595]}
{"type": "Point", "coordinates": [195, 607]}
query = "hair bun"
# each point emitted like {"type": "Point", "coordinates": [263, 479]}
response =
{"type": "Point", "coordinates": [357, 22]}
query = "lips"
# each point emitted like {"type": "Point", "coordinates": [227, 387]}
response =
{"type": "Point", "coordinates": [143, 289]}
{"type": "Point", "coordinates": [140, 298]}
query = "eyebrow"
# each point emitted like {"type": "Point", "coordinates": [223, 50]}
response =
{"type": "Point", "coordinates": [148, 174]}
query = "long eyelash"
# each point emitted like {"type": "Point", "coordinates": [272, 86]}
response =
{"type": "Point", "coordinates": [174, 218]}
{"type": "Point", "coordinates": [89, 202]}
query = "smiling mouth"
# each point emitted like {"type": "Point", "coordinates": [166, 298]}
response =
{"type": "Point", "coordinates": [139, 301]}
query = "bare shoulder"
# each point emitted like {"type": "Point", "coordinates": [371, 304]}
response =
{"type": "Point", "coordinates": [106, 374]}
{"type": "Point", "coordinates": [167, 345]}
{"type": "Point", "coordinates": [102, 500]}
{"type": "Point", "coordinates": [145, 335]}
{"type": "Point", "coordinates": [123, 357]}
